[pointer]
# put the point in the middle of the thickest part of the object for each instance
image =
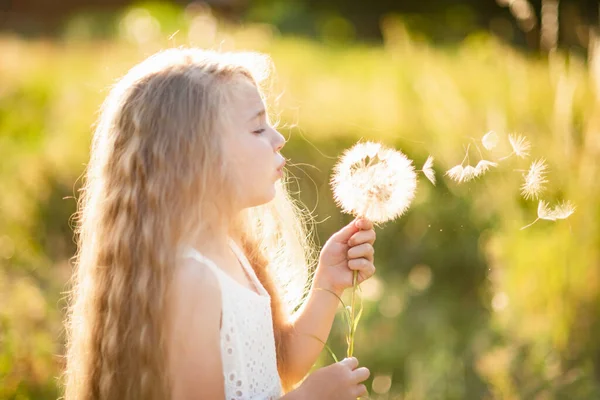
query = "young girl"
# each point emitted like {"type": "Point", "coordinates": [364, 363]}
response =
{"type": "Point", "coordinates": [191, 249]}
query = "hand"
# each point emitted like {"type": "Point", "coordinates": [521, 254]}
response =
{"type": "Point", "coordinates": [339, 381]}
{"type": "Point", "coordinates": [350, 249]}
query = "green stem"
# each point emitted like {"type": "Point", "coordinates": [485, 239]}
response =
{"type": "Point", "coordinates": [353, 323]}
{"type": "Point", "coordinates": [352, 314]}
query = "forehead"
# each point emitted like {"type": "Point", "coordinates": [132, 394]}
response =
{"type": "Point", "coordinates": [245, 100]}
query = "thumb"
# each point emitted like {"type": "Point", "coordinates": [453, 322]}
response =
{"type": "Point", "coordinates": [344, 234]}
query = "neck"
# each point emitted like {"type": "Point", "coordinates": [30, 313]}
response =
{"type": "Point", "coordinates": [213, 237]}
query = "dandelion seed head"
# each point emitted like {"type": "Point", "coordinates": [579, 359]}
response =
{"type": "Point", "coordinates": [520, 145]}
{"type": "Point", "coordinates": [534, 180]}
{"type": "Point", "coordinates": [490, 140]}
{"type": "Point", "coordinates": [428, 169]}
{"type": "Point", "coordinates": [374, 182]}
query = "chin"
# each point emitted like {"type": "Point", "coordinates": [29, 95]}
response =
{"type": "Point", "coordinates": [264, 199]}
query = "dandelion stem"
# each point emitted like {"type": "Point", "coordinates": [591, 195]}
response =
{"type": "Point", "coordinates": [466, 154]}
{"type": "Point", "coordinates": [527, 226]}
{"type": "Point", "coordinates": [477, 147]}
{"type": "Point", "coordinates": [353, 324]}
{"type": "Point", "coordinates": [352, 314]}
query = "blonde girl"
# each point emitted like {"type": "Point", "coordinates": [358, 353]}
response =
{"type": "Point", "coordinates": [191, 252]}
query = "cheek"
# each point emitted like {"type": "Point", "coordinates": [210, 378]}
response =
{"type": "Point", "coordinates": [252, 164]}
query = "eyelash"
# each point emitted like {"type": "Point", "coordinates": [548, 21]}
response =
{"type": "Point", "coordinates": [259, 131]}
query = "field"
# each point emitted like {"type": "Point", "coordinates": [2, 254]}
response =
{"type": "Point", "coordinates": [464, 305]}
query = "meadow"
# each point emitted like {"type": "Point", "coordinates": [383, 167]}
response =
{"type": "Point", "coordinates": [464, 304]}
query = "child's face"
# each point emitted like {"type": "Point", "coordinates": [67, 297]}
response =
{"type": "Point", "coordinates": [252, 147]}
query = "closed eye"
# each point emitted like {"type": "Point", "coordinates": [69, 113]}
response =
{"type": "Point", "coordinates": [259, 131]}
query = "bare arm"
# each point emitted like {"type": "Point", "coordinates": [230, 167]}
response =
{"type": "Point", "coordinates": [315, 317]}
{"type": "Point", "coordinates": [350, 249]}
{"type": "Point", "coordinates": [195, 365]}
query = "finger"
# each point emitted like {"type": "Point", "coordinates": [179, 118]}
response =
{"type": "Point", "coordinates": [364, 250]}
{"type": "Point", "coordinates": [360, 390]}
{"type": "Point", "coordinates": [361, 265]}
{"type": "Point", "coordinates": [361, 237]}
{"type": "Point", "coordinates": [365, 268]}
{"type": "Point", "coordinates": [363, 223]}
{"type": "Point", "coordinates": [351, 362]}
{"type": "Point", "coordinates": [344, 234]}
{"type": "Point", "coordinates": [360, 374]}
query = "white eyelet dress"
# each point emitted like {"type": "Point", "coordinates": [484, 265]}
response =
{"type": "Point", "coordinates": [247, 340]}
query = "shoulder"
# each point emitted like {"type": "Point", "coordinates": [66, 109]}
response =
{"type": "Point", "coordinates": [194, 294]}
{"type": "Point", "coordinates": [193, 331]}
{"type": "Point", "coordinates": [194, 280]}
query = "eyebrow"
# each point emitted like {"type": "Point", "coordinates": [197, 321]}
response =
{"type": "Point", "coordinates": [258, 114]}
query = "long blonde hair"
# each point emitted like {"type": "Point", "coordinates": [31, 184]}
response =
{"type": "Point", "coordinates": [156, 159]}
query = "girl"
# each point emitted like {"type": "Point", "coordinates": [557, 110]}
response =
{"type": "Point", "coordinates": [191, 249]}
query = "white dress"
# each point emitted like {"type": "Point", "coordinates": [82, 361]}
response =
{"type": "Point", "coordinates": [247, 340]}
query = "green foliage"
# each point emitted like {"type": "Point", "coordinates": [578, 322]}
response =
{"type": "Point", "coordinates": [464, 305]}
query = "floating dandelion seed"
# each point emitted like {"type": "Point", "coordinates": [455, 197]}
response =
{"type": "Point", "coordinates": [544, 211]}
{"type": "Point", "coordinates": [534, 180]}
{"type": "Point", "coordinates": [560, 211]}
{"type": "Point", "coordinates": [483, 166]}
{"type": "Point", "coordinates": [564, 210]}
{"type": "Point", "coordinates": [456, 173]}
{"type": "Point", "coordinates": [520, 145]}
{"type": "Point", "coordinates": [428, 170]}
{"type": "Point", "coordinates": [374, 182]}
{"type": "Point", "coordinates": [469, 172]}
{"type": "Point", "coordinates": [490, 140]}
{"type": "Point", "coordinates": [460, 174]}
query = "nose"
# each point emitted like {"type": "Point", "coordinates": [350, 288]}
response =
{"type": "Point", "coordinates": [279, 141]}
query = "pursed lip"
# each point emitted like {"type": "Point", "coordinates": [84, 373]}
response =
{"type": "Point", "coordinates": [280, 168]}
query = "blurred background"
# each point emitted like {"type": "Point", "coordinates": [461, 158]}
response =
{"type": "Point", "coordinates": [464, 304]}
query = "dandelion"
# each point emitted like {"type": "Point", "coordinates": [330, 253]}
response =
{"type": "Point", "coordinates": [561, 211]}
{"type": "Point", "coordinates": [376, 183]}
{"type": "Point", "coordinates": [428, 170]}
{"type": "Point", "coordinates": [520, 146]}
{"type": "Point", "coordinates": [534, 180]}
{"type": "Point", "coordinates": [490, 140]}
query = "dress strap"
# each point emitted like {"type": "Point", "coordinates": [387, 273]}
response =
{"type": "Point", "coordinates": [222, 276]}
{"type": "Point", "coordinates": [191, 252]}
{"type": "Point", "coordinates": [247, 267]}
